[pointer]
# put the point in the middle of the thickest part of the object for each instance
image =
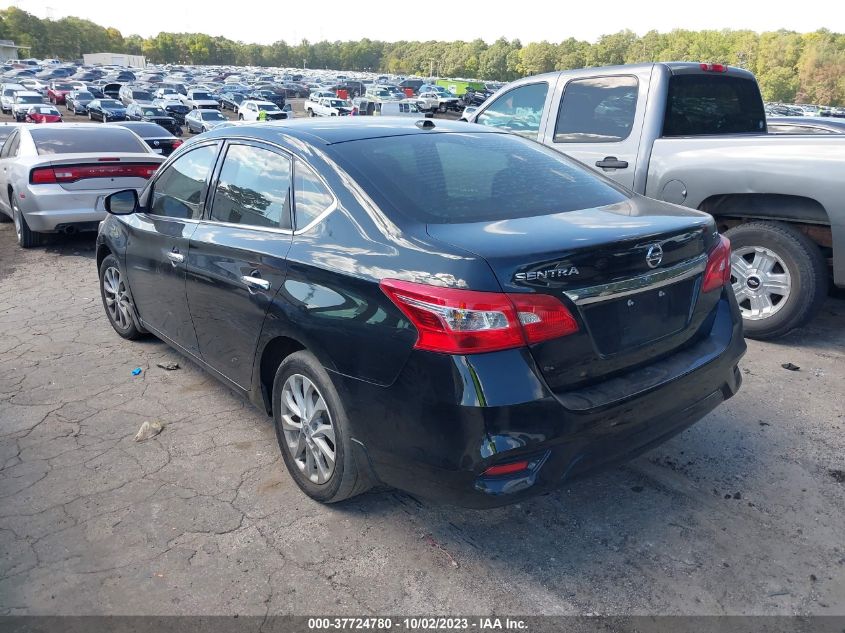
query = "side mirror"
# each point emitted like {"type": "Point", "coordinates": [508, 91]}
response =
{"type": "Point", "coordinates": [469, 110]}
{"type": "Point", "coordinates": [122, 202]}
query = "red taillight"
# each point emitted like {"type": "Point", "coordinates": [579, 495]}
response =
{"type": "Point", "coordinates": [714, 68]}
{"type": "Point", "coordinates": [73, 173]}
{"type": "Point", "coordinates": [42, 176]}
{"type": "Point", "coordinates": [457, 321]}
{"type": "Point", "coordinates": [506, 469]}
{"type": "Point", "coordinates": [177, 143]}
{"type": "Point", "coordinates": [718, 271]}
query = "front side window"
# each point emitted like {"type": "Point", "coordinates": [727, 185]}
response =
{"type": "Point", "coordinates": [311, 196]}
{"type": "Point", "coordinates": [253, 188]}
{"type": "Point", "coordinates": [180, 190]}
{"type": "Point", "coordinates": [518, 110]}
{"type": "Point", "coordinates": [597, 110]}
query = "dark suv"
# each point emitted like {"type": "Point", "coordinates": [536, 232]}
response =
{"type": "Point", "coordinates": [457, 312]}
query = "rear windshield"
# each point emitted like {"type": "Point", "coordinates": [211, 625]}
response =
{"type": "Point", "coordinates": [147, 130]}
{"type": "Point", "coordinates": [450, 178]}
{"type": "Point", "coordinates": [140, 94]}
{"type": "Point", "coordinates": [28, 99]}
{"type": "Point", "coordinates": [713, 104]}
{"type": "Point", "coordinates": [102, 140]}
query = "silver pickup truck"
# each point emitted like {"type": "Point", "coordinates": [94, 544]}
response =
{"type": "Point", "coordinates": [695, 135]}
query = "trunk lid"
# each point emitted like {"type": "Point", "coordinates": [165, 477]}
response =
{"type": "Point", "coordinates": [629, 272]}
{"type": "Point", "coordinates": [121, 171]}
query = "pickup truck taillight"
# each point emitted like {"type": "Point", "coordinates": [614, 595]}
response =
{"type": "Point", "coordinates": [714, 68]}
{"type": "Point", "coordinates": [60, 174]}
{"type": "Point", "coordinates": [457, 321]}
{"type": "Point", "coordinates": [718, 271]}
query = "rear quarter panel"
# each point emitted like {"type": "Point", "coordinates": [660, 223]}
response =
{"type": "Point", "coordinates": [807, 166]}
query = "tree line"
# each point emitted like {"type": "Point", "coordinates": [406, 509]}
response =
{"type": "Point", "coordinates": [790, 66]}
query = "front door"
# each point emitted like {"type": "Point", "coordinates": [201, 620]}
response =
{"type": "Point", "coordinates": [157, 244]}
{"type": "Point", "coordinates": [237, 257]}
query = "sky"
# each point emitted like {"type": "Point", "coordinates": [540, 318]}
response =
{"type": "Point", "coordinates": [267, 21]}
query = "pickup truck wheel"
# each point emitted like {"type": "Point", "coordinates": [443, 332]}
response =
{"type": "Point", "coordinates": [313, 431]}
{"type": "Point", "coordinates": [779, 277]}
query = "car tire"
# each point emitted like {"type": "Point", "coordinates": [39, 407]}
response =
{"type": "Point", "coordinates": [117, 300]}
{"type": "Point", "coordinates": [27, 238]}
{"type": "Point", "coordinates": [776, 258]}
{"type": "Point", "coordinates": [305, 444]}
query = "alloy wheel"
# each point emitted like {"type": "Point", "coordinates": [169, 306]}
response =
{"type": "Point", "coordinates": [308, 429]}
{"type": "Point", "coordinates": [117, 298]}
{"type": "Point", "coordinates": [761, 282]}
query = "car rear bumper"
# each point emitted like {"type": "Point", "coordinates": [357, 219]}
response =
{"type": "Point", "coordinates": [446, 419]}
{"type": "Point", "coordinates": [49, 208]}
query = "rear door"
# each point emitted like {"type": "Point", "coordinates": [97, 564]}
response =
{"type": "Point", "coordinates": [237, 257]}
{"type": "Point", "coordinates": [598, 119]}
{"type": "Point", "coordinates": [157, 244]}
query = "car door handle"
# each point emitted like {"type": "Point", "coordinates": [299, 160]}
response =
{"type": "Point", "coordinates": [611, 162]}
{"type": "Point", "coordinates": [256, 282]}
{"type": "Point", "coordinates": [176, 258]}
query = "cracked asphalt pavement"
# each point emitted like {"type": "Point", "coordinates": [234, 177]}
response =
{"type": "Point", "coordinates": [741, 514]}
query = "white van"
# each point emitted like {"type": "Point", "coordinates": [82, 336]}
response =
{"type": "Point", "coordinates": [407, 107]}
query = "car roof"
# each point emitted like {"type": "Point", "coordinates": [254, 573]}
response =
{"type": "Point", "coordinates": [328, 130]}
{"type": "Point", "coordinates": [27, 93]}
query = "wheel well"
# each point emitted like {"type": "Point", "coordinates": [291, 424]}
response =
{"type": "Point", "coordinates": [103, 251]}
{"type": "Point", "coordinates": [275, 352]}
{"type": "Point", "coordinates": [802, 213]}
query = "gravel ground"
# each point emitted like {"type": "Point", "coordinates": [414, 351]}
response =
{"type": "Point", "coordinates": [741, 514]}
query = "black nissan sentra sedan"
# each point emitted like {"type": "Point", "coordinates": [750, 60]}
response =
{"type": "Point", "coordinates": [454, 311]}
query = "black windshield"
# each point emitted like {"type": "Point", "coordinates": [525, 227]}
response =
{"type": "Point", "coordinates": [706, 104]}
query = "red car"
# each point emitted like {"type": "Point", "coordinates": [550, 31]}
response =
{"type": "Point", "coordinates": [57, 91]}
{"type": "Point", "coordinates": [43, 114]}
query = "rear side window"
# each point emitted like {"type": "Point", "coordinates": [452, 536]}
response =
{"type": "Point", "coordinates": [704, 104]}
{"type": "Point", "coordinates": [310, 195]}
{"type": "Point", "coordinates": [10, 148]}
{"type": "Point", "coordinates": [5, 131]}
{"type": "Point", "coordinates": [180, 189]}
{"type": "Point", "coordinates": [597, 110]}
{"type": "Point", "coordinates": [451, 178]}
{"type": "Point", "coordinates": [101, 140]}
{"type": "Point", "coordinates": [518, 110]}
{"type": "Point", "coordinates": [253, 188]}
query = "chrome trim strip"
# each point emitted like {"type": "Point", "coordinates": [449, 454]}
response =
{"type": "Point", "coordinates": [649, 281]}
{"type": "Point", "coordinates": [247, 227]}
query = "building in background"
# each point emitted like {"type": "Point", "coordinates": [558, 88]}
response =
{"type": "Point", "coordinates": [115, 59]}
{"type": "Point", "coordinates": [8, 50]}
